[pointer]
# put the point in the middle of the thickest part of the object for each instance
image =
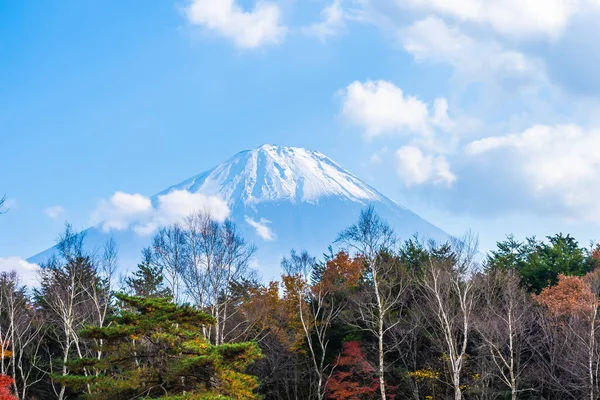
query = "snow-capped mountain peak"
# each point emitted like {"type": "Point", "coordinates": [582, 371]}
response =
{"type": "Point", "coordinates": [273, 173]}
{"type": "Point", "coordinates": [279, 197]}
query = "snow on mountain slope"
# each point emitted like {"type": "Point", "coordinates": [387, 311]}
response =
{"type": "Point", "coordinates": [280, 198]}
{"type": "Point", "coordinates": [272, 173]}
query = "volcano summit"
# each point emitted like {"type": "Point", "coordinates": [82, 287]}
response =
{"type": "Point", "coordinates": [279, 197]}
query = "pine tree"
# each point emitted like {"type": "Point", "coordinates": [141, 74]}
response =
{"type": "Point", "coordinates": [540, 263]}
{"type": "Point", "coordinates": [155, 349]}
{"type": "Point", "coordinates": [147, 280]}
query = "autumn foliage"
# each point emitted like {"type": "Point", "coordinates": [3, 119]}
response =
{"type": "Point", "coordinates": [5, 383]}
{"type": "Point", "coordinates": [571, 296]}
{"type": "Point", "coordinates": [355, 378]}
{"type": "Point", "coordinates": [373, 318]}
{"type": "Point", "coordinates": [341, 273]}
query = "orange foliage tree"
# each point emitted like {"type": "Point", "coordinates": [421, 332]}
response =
{"type": "Point", "coordinates": [571, 296]}
{"type": "Point", "coordinates": [316, 295]}
{"type": "Point", "coordinates": [265, 313]}
{"type": "Point", "coordinates": [574, 302]}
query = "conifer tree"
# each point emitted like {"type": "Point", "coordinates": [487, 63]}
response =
{"type": "Point", "coordinates": [155, 349]}
{"type": "Point", "coordinates": [148, 280]}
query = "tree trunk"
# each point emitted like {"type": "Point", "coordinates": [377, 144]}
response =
{"type": "Point", "coordinates": [513, 380]}
{"type": "Point", "coordinates": [380, 337]}
{"type": "Point", "coordinates": [381, 361]}
{"type": "Point", "coordinates": [591, 348]}
{"type": "Point", "coordinates": [457, 391]}
{"type": "Point", "coordinates": [61, 394]}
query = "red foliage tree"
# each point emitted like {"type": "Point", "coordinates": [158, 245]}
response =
{"type": "Point", "coordinates": [5, 392]}
{"type": "Point", "coordinates": [355, 378]}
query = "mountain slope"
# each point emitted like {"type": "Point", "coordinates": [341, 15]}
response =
{"type": "Point", "coordinates": [280, 198]}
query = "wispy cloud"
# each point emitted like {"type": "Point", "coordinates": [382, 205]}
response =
{"type": "Point", "coordinates": [54, 212]}
{"type": "Point", "coordinates": [261, 228]}
{"type": "Point", "coordinates": [246, 29]}
{"type": "Point", "coordinates": [558, 165]}
{"type": "Point", "coordinates": [512, 18]}
{"type": "Point", "coordinates": [333, 22]}
{"type": "Point", "coordinates": [432, 40]}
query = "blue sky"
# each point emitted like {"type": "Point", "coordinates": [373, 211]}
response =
{"type": "Point", "coordinates": [476, 114]}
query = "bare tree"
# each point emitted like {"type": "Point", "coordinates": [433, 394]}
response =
{"type": "Point", "coordinates": [373, 239]}
{"type": "Point", "coordinates": [593, 280]}
{"type": "Point", "coordinates": [205, 258]}
{"type": "Point", "coordinates": [572, 318]}
{"type": "Point", "coordinates": [561, 366]}
{"type": "Point", "coordinates": [218, 256]}
{"type": "Point", "coordinates": [169, 252]}
{"type": "Point", "coordinates": [320, 302]}
{"type": "Point", "coordinates": [285, 374]}
{"type": "Point", "coordinates": [296, 283]}
{"type": "Point", "coordinates": [20, 335]}
{"type": "Point", "coordinates": [504, 321]}
{"type": "Point", "coordinates": [449, 296]}
{"type": "Point", "coordinates": [73, 295]}
{"type": "Point", "coordinates": [272, 321]}
{"type": "Point", "coordinates": [99, 288]}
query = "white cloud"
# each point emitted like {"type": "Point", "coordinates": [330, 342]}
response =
{"type": "Point", "coordinates": [512, 18]}
{"type": "Point", "coordinates": [432, 40]}
{"type": "Point", "coordinates": [560, 165]}
{"type": "Point", "coordinates": [121, 210]}
{"type": "Point", "coordinates": [332, 23]}
{"type": "Point", "coordinates": [416, 168]}
{"type": "Point", "coordinates": [125, 210]}
{"type": "Point", "coordinates": [176, 205]}
{"type": "Point", "coordinates": [247, 29]}
{"type": "Point", "coordinates": [54, 212]}
{"type": "Point", "coordinates": [261, 227]}
{"type": "Point", "coordinates": [380, 107]}
{"type": "Point", "coordinates": [27, 272]}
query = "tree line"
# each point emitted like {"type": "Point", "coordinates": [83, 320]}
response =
{"type": "Point", "coordinates": [375, 317]}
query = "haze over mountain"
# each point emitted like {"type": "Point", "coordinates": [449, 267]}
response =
{"type": "Point", "coordinates": [280, 198]}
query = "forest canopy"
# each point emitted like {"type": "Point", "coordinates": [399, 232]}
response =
{"type": "Point", "coordinates": [375, 317]}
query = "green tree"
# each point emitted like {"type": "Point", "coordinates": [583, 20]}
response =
{"type": "Point", "coordinates": [414, 254]}
{"type": "Point", "coordinates": [539, 263]}
{"type": "Point", "coordinates": [147, 280]}
{"type": "Point", "coordinates": [155, 349]}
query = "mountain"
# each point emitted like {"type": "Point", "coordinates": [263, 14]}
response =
{"type": "Point", "coordinates": [280, 198]}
